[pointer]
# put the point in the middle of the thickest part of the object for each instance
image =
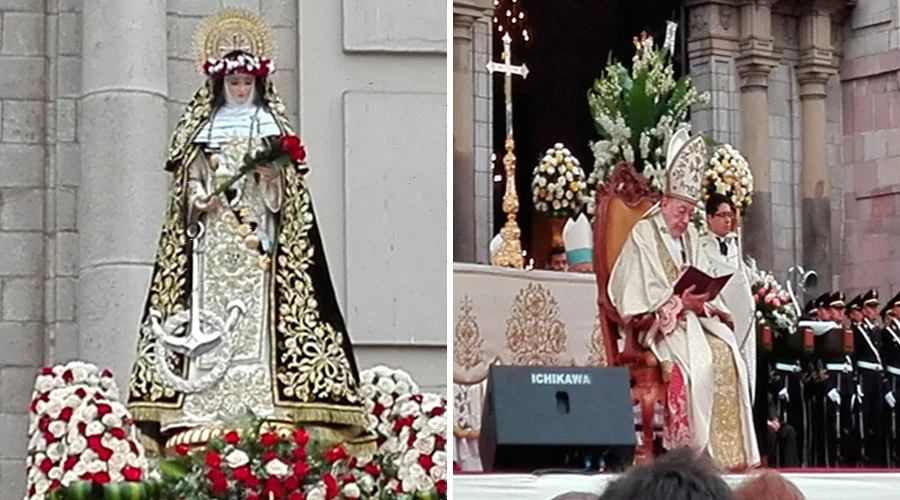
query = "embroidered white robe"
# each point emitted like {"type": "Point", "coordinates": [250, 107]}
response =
{"type": "Point", "coordinates": [704, 349]}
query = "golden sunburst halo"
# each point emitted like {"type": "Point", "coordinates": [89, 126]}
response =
{"type": "Point", "coordinates": [230, 30]}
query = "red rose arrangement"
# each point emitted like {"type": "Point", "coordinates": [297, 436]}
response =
{"type": "Point", "coordinates": [254, 463]}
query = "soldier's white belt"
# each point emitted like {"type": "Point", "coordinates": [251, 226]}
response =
{"type": "Point", "coordinates": [875, 367]}
{"type": "Point", "coordinates": [795, 368]}
{"type": "Point", "coordinates": [839, 367]}
{"type": "Point", "coordinates": [893, 370]}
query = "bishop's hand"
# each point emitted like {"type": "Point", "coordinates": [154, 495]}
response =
{"type": "Point", "coordinates": [267, 173]}
{"type": "Point", "coordinates": [692, 301]}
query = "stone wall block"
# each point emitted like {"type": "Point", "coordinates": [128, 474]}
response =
{"type": "Point", "coordinates": [198, 8]}
{"type": "Point", "coordinates": [21, 253]}
{"type": "Point", "coordinates": [22, 299]}
{"type": "Point", "coordinates": [22, 344]}
{"type": "Point", "coordinates": [21, 209]}
{"type": "Point", "coordinates": [23, 34]}
{"type": "Point", "coordinates": [23, 121]}
{"type": "Point", "coordinates": [16, 384]}
{"type": "Point", "coordinates": [22, 77]}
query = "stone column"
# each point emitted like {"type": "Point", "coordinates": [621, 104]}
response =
{"type": "Point", "coordinates": [122, 187]}
{"type": "Point", "coordinates": [816, 65]}
{"type": "Point", "coordinates": [754, 62]}
{"type": "Point", "coordinates": [465, 13]}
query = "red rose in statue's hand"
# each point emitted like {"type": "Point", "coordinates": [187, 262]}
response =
{"type": "Point", "coordinates": [232, 437]}
{"type": "Point", "coordinates": [289, 143]}
{"type": "Point", "coordinates": [298, 155]}
{"type": "Point", "coordinates": [268, 439]}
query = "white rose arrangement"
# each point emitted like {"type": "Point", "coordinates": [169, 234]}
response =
{"type": "Point", "coordinates": [558, 183]}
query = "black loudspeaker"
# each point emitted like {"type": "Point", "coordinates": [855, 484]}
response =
{"type": "Point", "coordinates": [557, 417]}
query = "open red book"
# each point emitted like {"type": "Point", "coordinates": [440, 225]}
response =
{"type": "Point", "coordinates": [703, 283]}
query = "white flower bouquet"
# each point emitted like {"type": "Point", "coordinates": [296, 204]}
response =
{"type": "Point", "coordinates": [558, 184]}
{"type": "Point", "coordinates": [729, 174]}
{"type": "Point", "coordinates": [421, 422]}
{"type": "Point", "coordinates": [637, 112]}
{"type": "Point", "coordinates": [380, 388]}
{"type": "Point", "coordinates": [79, 432]}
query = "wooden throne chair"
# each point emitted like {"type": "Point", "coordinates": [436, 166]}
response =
{"type": "Point", "coordinates": [620, 204]}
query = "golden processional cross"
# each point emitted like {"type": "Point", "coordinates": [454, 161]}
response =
{"type": "Point", "coordinates": [510, 253]}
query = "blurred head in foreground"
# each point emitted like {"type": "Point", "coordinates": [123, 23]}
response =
{"type": "Point", "coordinates": [677, 475]}
{"type": "Point", "coordinates": [768, 485]}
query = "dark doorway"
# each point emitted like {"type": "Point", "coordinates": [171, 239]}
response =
{"type": "Point", "coordinates": [571, 41]}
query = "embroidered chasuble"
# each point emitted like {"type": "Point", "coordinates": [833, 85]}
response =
{"type": "Point", "coordinates": [711, 375]}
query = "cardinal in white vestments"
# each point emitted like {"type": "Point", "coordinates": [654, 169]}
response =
{"type": "Point", "coordinates": [723, 251]}
{"type": "Point", "coordinates": [709, 395]}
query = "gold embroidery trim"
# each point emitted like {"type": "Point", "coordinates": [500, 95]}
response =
{"type": "Point", "coordinates": [726, 434]}
{"type": "Point", "coordinates": [467, 340]}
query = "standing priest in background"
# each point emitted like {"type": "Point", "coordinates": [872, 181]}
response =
{"type": "Point", "coordinates": [708, 405]}
{"type": "Point", "coordinates": [723, 250]}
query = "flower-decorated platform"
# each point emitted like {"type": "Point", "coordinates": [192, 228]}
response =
{"type": "Point", "coordinates": [83, 445]}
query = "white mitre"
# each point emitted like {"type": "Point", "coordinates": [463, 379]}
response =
{"type": "Point", "coordinates": [686, 160]}
{"type": "Point", "coordinates": [496, 243]}
{"type": "Point", "coordinates": [579, 241]}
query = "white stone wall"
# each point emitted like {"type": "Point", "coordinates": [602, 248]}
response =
{"type": "Point", "coordinates": [367, 90]}
{"type": "Point", "coordinates": [24, 190]}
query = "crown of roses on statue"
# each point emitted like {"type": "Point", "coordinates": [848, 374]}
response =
{"type": "Point", "coordinates": [685, 166]}
{"type": "Point", "coordinates": [239, 63]}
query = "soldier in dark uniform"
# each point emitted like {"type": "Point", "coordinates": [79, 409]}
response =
{"type": "Point", "coordinates": [870, 382]}
{"type": "Point", "coordinates": [890, 356]}
{"type": "Point", "coordinates": [838, 387]}
{"type": "Point", "coordinates": [789, 400]}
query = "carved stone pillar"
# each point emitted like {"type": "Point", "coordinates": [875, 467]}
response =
{"type": "Point", "coordinates": [754, 62]}
{"type": "Point", "coordinates": [122, 190]}
{"type": "Point", "coordinates": [816, 65]}
{"type": "Point", "coordinates": [465, 13]}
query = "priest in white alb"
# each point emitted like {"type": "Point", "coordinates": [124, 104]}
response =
{"type": "Point", "coordinates": [708, 405]}
{"type": "Point", "coordinates": [723, 249]}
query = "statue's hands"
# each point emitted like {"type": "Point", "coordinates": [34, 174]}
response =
{"type": "Point", "coordinates": [693, 302]}
{"type": "Point", "coordinates": [267, 173]}
{"type": "Point", "coordinates": [209, 205]}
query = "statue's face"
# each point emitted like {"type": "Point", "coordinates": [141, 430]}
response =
{"type": "Point", "coordinates": [721, 222]}
{"type": "Point", "coordinates": [677, 214]}
{"type": "Point", "coordinates": [240, 87]}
